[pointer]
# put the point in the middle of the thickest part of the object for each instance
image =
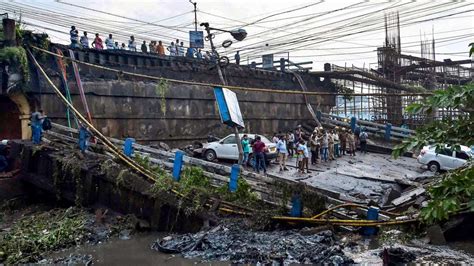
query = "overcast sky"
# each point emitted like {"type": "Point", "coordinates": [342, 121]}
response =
{"type": "Point", "coordinates": [335, 31]}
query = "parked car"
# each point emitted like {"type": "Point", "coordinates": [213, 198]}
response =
{"type": "Point", "coordinates": [446, 159]}
{"type": "Point", "coordinates": [226, 148]}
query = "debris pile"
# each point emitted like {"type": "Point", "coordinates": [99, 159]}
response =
{"type": "Point", "coordinates": [238, 244]}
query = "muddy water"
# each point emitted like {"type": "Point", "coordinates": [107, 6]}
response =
{"type": "Point", "coordinates": [134, 251]}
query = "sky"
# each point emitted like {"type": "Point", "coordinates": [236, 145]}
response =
{"type": "Point", "coordinates": [335, 31]}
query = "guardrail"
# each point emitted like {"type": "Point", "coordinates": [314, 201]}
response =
{"type": "Point", "coordinates": [387, 130]}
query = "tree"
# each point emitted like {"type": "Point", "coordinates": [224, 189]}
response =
{"type": "Point", "coordinates": [454, 191]}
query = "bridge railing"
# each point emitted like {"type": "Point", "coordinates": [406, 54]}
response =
{"type": "Point", "coordinates": [387, 130]}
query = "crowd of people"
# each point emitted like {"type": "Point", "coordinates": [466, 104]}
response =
{"type": "Point", "coordinates": [175, 48]}
{"type": "Point", "coordinates": [322, 145]}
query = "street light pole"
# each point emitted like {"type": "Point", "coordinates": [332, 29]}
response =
{"type": "Point", "coordinates": [195, 15]}
{"type": "Point", "coordinates": [219, 71]}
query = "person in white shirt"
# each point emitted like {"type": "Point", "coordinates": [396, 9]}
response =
{"type": "Point", "coordinates": [172, 49]}
{"type": "Point", "coordinates": [132, 45]}
{"type": "Point", "coordinates": [109, 43]}
{"type": "Point", "coordinates": [84, 40]}
{"type": "Point", "coordinates": [335, 137]}
{"type": "Point", "coordinates": [282, 153]}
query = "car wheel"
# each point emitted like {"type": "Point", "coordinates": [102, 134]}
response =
{"type": "Point", "coordinates": [434, 167]}
{"type": "Point", "coordinates": [210, 155]}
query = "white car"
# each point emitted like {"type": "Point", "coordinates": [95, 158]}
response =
{"type": "Point", "coordinates": [446, 159]}
{"type": "Point", "coordinates": [226, 148]}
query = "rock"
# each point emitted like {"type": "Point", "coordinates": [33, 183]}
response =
{"type": "Point", "coordinates": [396, 256]}
{"type": "Point", "coordinates": [143, 224]}
{"type": "Point", "coordinates": [390, 195]}
{"type": "Point", "coordinates": [436, 235]}
{"type": "Point", "coordinates": [125, 234]}
{"type": "Point", "coordinates": [315, 230]}
{"type": "Point", "coordinates": [164, 146]}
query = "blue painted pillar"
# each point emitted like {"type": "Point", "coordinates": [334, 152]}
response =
{"type": "Point", "coordinates": [128, 146]}
{"type": "Point", "coordinates": [388, 129]}
{"type": "Point", "coordinates": [296, 206]}
{"type": "Point", "coordinates": [353, 123]}
{"type": "Point", "coordinates": [234, 177]}
{"type": "Point", "coordinates": [318, 115]}
{"type": "Point", "coordinates": [373, 215]}
{"type": "Point", "coordinates": [178, 164]}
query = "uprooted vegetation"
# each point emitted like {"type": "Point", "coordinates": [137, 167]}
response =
{"type": "Point", "coordinates": [195, 189]}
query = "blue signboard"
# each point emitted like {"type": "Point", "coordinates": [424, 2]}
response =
{"type": "Point", "coordinates": [228, 107]}
{"type": "Point", "coordinates": [196, 39]}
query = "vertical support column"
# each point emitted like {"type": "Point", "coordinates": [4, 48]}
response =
{"type": "Point", "coordinates": [234, 177]}
{"type": "Point", "coordinates": [128, 146]}
{"type": "Point", "coordinates": [9, 32]}
{"type": "Point", "coordinates": [353, 123]}
{"type": "Point", "coordinates": [318, 115]}
{"type": "Point", "coordinates": [178, 164]}
{"type": "Point", "coordinates": [388, 129]}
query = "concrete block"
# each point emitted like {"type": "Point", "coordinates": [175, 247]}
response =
{"type": "Point", "coordinates": [436, 235]}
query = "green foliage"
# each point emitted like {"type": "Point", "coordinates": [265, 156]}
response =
{"type": "Point", "coordinates": [243, 195]}
{"type": "Point", "coordinates": [454, 192]}
{"type": "Point", "coordinates": [471, 52]}
{"type": "Point", "coordinates": [344, 90]}
{"type": "Point", "coordinates": [451, 194]}
{"type": "Point", "coordinates": [31, 236]}
{"type": "Point", "coordinates": [449, 131]}
{"type": "Point", "coordinates": [16, 55]}
{"type": "Point", "coordinates": [161, 90]}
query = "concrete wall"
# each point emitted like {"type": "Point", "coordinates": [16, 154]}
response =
{"type": "Point", "coordinates": [125, 106]}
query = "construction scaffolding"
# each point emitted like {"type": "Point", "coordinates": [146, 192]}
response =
{"type": "Point", "coordinates": [423, 72]}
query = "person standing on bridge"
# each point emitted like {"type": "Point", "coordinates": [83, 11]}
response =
{"type": "Point", "coordinates": [335, 137]}
{"type": "Point", "coordinates": [246, 149]}
{"type": "Point", "coordinates": [97, 43]}
{"type": "Point", "coordinates": [291, 143]}
{"type": "Point", "coordinates": [132, 45]}
{"type": "Point", "coordinates": [343, 139]}
{"type": "Point", "coordinates": [172, 49]}
{"type": "Point", "coordinates": [282, 152]}
{"type": "Point", "coordinates": [84, 41]}
{"type": "Point", "coordinates": [37, 126]}
{"type": "Point", "coordinates": [351, 142]}
{"type": "Point", "coordinates": [74, 37]}
{"type": "Point", "coordinates": [313, 145]}
{"type": "Point", "coordinates": [363, 141]}
{"type": "Point", "coordinates": [330, 146]}
{"type": "Point", "coordinates": [143, 47]}
{"type": "Point", "coordinates": [181, 49]}
{"type": "Point", "coordinates": [259, 153]}
{"type": "Point", "coordinates": [152, 47]}
{"type": "Point", "coordinates": [237, 58]}
{"type": "Point", "coordinates": [324, 146]}
{"type": "Point", "coordinates": [109, 43]}
{"type": "Point", "coordinates": [160, 49]}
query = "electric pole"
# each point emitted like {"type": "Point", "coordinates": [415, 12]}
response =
{"type": "Point", "coordinates": [195, 15]}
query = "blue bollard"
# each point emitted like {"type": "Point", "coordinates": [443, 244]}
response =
{"type": "Point", "coordinates": [373, 215]}
{"type": "Point", "coordinates": [388, 129]}
{"type": "Point", "coordinates": [83, 138]}
{"type": "Point", "coordinates": [296, 206]}
{"type": "Point", "coordinates": [234, 177]}
{"type": "Point", "coordinates": [178, 164]}
{"type": "Point", "coordinates": [128, 146]}
{"type": "Point", "coordinates": [353, 123]}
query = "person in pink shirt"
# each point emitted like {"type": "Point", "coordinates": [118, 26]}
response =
{"type": "Point", "coordinates": [97, 43]}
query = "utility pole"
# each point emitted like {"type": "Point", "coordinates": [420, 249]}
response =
{"type": "Point", "coordinates": [219, 71]}
{"type": "Point", "coordinates": [195, 15]}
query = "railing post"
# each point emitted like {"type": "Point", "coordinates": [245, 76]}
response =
{"type": "Point", "coordinates": [234, 177]}
{"type": "Point", "coordinates": [128, 146]}
{"type": "Point", "coordinates": [178, 163]}
{"type": "Point", "coordinates": [296, 206]}
{"type": "Point", "coordinates": [353, 123]}
{"type": "Point", "coordinates": [388, 130]}
{"type": "Point", "coordinates": [373, 215]}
